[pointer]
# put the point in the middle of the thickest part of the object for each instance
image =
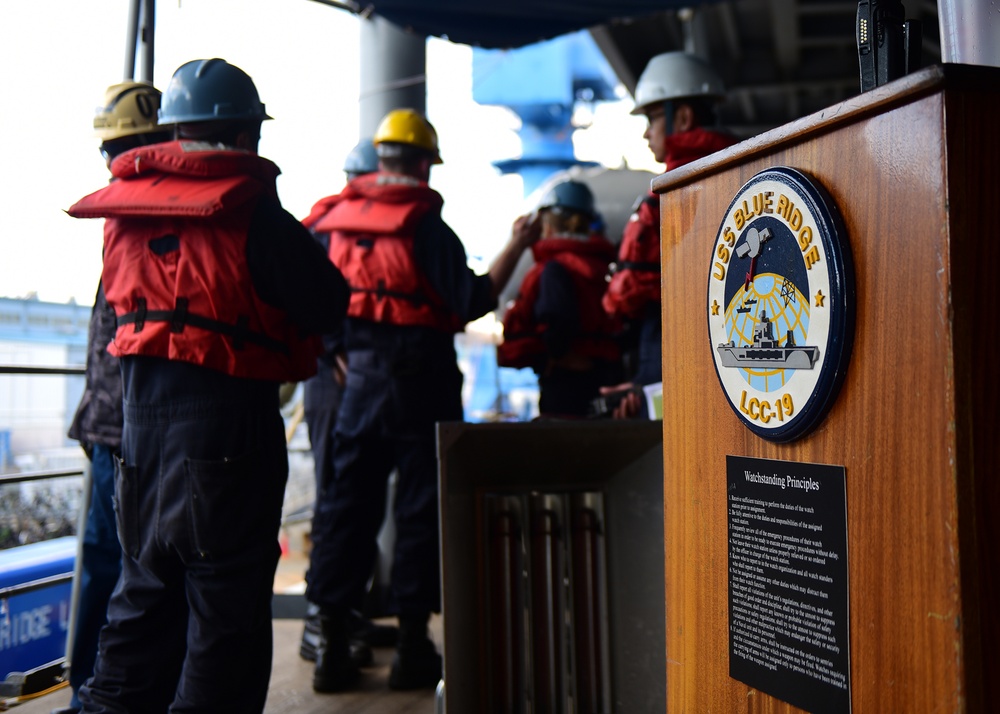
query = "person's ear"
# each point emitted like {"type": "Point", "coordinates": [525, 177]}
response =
{"type": "Point", "coordinates": [248, 139]}
{"type": "Point", "coordinates": [425, 168]}
{"type": "Point", "coordinates": [683, 118]}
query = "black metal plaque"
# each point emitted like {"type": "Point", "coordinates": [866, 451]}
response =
{"type": "Point", "coordinates": [788, 604]}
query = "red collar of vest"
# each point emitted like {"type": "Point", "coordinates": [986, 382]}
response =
{"type": "Point", "coordinates": [194, 158]}
{"type": "Point", "coordinates": [688, 146]}
{"type": "Point", "coordinates": [391, 188]}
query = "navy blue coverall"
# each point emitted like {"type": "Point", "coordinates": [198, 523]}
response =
{"type": "Point", "coordinates": [199, 490]}
{"type": "Point", "coordinates": [401, 380]}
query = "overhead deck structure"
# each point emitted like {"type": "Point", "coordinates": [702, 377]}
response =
{"type": "Point", "coordinates": [780, 59]}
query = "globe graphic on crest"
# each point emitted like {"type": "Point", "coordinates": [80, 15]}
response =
{"type": "Point", "coordinates": [773, 299]}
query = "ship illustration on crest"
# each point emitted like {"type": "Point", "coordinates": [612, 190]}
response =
{"type": "Point", "coordinates": [767, 352]}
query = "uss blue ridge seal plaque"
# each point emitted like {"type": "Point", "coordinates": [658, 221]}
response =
{"type": "Point", "coordinates": [781, 304]}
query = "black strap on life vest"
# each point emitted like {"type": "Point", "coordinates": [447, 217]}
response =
{"type": "Point", "coordinates": [180, 317]}
{"type": "Point", "coordinates": [652, 201]}
{"type": "Point", "coordinates": [381, 292]}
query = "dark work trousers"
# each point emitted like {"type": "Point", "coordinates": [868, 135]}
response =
{"type": "Point", "coordinates": [391, 403]}
{"type": "Point", "coordinates": [321, 397]}
{"type": "Point", "coordinates": [199, 492]}
{"type": "Point", "coordinates": [650, 368]}
{"type": "Point", "coordinates": [99, 568]}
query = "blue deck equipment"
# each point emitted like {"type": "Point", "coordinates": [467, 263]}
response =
{"type": "Point", "coordinates": [34, 624]}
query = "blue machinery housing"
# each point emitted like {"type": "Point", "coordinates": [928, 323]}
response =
{"type": "Point", "coordinates": [35, 589]}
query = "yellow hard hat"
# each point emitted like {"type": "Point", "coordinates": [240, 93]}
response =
{"type": "Point", "coordinates": [129, 108]}
{"type": "Point", "coordinates": [407, 127]}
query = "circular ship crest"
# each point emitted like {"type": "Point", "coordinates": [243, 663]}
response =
{"type": "Point", "coordinates": [781, 304]}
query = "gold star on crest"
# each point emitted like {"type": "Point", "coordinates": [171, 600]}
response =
{"type": "Point", "coordinates": [715, 307]}
{"type": "Point", "coordinates": [820, 297]}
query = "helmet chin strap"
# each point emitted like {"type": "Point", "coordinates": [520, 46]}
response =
{"type": "Point", "coordinates": [668, 116]}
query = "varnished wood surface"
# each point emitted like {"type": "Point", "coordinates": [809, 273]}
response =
{"type": "Point", "coordinates": [291, 684]}
{"type": "Point", "coordinates": [915, 424]}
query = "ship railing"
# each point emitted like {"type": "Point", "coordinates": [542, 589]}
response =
{"type": "Point", "coordinates": [36, 677]}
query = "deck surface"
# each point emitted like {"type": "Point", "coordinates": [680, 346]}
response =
{"type": "Point", "coordinates": [291, 677]}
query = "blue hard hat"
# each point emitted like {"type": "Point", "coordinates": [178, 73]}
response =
{"type": "Point", "coordinates": [571, 195]}
{"type": "Point", "coordinates": [362, 160]}
{"type": "Point", "coordinates": [210, 90]}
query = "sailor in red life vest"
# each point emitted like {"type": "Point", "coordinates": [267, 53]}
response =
{"type": "Point", "coordinates": [321, 396]}
{"type": "Point", "coordinates": [556, 324]}
{"type": "Point", "coordinates": [677, 92]}
{"type": "Point", "coordinates": [411, 291]}
{"type": "Point", "coordinates": [215, 288]}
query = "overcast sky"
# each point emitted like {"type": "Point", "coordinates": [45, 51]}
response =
{"type": "Point", "coordinates": [57, 58]}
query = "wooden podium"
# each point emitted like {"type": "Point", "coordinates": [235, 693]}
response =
{"type": "Point", "coordinates": [914, 169]}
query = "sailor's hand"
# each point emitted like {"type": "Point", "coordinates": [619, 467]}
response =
{"type": "Point", "coordinates": [630, 405]}
{"type": "Point", "coordinates": [527, 229]}
{"type": "Point", "coordinates": [340, 368]}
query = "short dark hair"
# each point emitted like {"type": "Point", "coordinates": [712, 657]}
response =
{"type": "Point", "coordinates": [112, 147]}
{"type": "Point", "coordinates": [567, 221]}
{"type": "Point", "coordinates": [703, 109]}
{"type": "Point", "coordinates": [402, 158]}
{"type": "Point", "coordinates": [216, 132]}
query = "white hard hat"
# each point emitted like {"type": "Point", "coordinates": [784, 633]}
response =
{"type": "Point", "coordinates": [673, 75]}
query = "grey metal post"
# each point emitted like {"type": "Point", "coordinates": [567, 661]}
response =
{"type": "Point", "coordinates": [970, 32]}
{"type": "Point", "coordinates": [74, 593]}
{"type": "Point", "coordinates": [140, 32]}
{"type": "Point", "coordinates": [147, 33]}
{"type": "Point", "coordinates": [695, 30]}
{"type": "Point", "coordinates": [393, 66]}
{"type": "Point", "coordinates": [131, 40]}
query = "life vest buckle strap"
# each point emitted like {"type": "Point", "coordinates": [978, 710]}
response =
{"type": "Point", "coordinates": [381, 293]}
{"type": "Point", "coordinates": [241, 332]}
{"type": "Point", "coordinates": [180, 315]}
{"type": "Point", "coordinates": [139, 316]}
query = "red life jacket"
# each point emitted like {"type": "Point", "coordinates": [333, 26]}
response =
{"type": "Point", "coordinates": [636, 280]}
{"type": "Point", "coordinates": [175, 267]}
{"type": "Point", "coordinates": [320, 209]}
{"type": "Point", "coordinates": [587, 264]}
{"type": "Point", "coordinates": [372, 224]}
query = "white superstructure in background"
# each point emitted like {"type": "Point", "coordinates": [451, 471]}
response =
{"type": "Point", "coordinates": [36, 409]}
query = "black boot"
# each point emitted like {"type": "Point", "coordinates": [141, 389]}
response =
{"type": "Point", "coordinates": [361, 651]}
{"type": "Point", "coordinates": [335, 671]}
{"type": "Point", "coordinates": [374, 635]}
{"type": "Point", "coordinates": [416, 665]}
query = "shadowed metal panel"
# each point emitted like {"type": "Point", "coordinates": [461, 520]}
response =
{"type": "Point", "coordinates": [585, 499]}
